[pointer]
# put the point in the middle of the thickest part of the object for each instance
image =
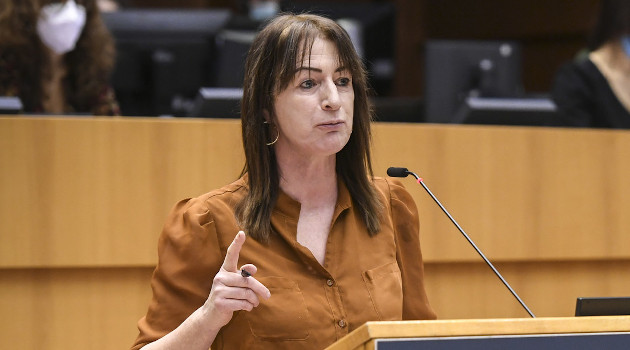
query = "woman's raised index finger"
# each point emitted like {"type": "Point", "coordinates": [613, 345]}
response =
{"type": "Point", "coordinates": [231, 257]}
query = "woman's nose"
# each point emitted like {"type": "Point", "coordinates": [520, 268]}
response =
{"type": "Point", "coordinates": [330, 96]}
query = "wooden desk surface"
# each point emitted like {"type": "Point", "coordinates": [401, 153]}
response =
{"type": "Point", "coordinates": [480, 327]}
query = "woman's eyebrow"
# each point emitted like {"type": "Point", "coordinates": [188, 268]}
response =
{"type": "Point", "coordinates": [340, 69]}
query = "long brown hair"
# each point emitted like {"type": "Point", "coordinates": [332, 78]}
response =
{"type": "Point", "coordinates": [269, 68]}
{"type": "Point", "coordinates": [89, 65]}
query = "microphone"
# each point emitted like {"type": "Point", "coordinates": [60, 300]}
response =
{"type": "Point", "coordinates": [404, 172]}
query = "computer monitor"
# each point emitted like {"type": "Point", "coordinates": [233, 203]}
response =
{"type": "Point", "coordinates": [163, 57]}
{"type": "Point", "coordinates": [523, 111]}
{"type": "Point", "coordinates": [11, 105]}
{"type": "Point", "coordinates": [371, 25]}
{"type": "Point", "coordinates": [456, 70]}
{"type": "Point", "coordinates": [602, 306]}
{"type": "Point", "coordinates": [233, 46]}
{"type": "Point", "coordinates": [398, 109]}
{"type": "Point", "coordinates": [217, 103]}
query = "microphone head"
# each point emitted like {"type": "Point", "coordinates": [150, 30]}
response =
{"type": "Point", "coordinates": [397, 172]}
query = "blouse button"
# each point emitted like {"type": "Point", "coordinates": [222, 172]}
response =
{"type": "Point", "coordinates": [330, 283]}
{"type": "Point", "coordinates": [342, 323]}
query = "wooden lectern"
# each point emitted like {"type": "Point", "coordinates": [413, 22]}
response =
{"type": "Point", "coordinates": [603, 332]}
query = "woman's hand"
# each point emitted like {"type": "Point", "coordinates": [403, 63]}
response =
{"type": "Point", "coordinates": [230, 290]}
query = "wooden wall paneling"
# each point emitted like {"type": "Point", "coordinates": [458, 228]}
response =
{"type": "Point", "coordinates": [81, 308]}
{"type": "Point", "coordinates": [96, 192]}
{"type": "Point", "coordinates": [521, 193]}
{"type": "Point", "coordinates": [410, 36]}
{"type": "Point", "coordinates": [101, 306]}
{"type": "Point", "coordinates": [551, 33]}
{"type": "Point", "coordinates": [549, 288]}
{"type": "Point", "coordinates": [83, 200]}
{"type": "Point", "coordinates": [502, 19]}
{"type": "Point", "coordinates": [82, 187]}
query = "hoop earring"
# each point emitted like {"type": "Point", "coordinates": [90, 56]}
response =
{"type": "Point", "coordinates": [277, 135]}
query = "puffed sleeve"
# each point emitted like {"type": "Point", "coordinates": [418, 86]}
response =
{"type": "Point", "coordinates": [408, 254]}
{"type": "Point", "coordinates": [189, 256]}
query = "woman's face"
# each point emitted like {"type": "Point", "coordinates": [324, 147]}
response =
{"type": "Point", "coordinates": [314, 113]}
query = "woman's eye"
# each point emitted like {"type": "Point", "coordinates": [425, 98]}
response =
{"type": "Point", "coordinates": [343, 81]}
{"type": "Point", "coordinates": [307, 84]}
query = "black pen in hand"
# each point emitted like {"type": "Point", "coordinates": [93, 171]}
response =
{"type": "Point", "coordinates": [244, 273]}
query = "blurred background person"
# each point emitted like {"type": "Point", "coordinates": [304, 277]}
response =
{"type": "Point", "coordinates": [57, 57]}
{"type": "Point", "coordinates": [594, 89]}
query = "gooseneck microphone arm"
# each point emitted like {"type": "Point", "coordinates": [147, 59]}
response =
{"type": "Point", "coordinates": [403, 172]}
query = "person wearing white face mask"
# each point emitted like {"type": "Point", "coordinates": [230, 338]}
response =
{"type": "Point", "coordinates": [57, 57]}
{"type": "Point", "coordinates": [60, 24]}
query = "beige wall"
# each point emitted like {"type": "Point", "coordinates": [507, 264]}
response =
{"type": "Point", "coordinates": [82, 201]}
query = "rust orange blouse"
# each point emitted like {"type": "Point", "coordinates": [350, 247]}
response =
{"type": "Point", "coordinates": [311, 306]}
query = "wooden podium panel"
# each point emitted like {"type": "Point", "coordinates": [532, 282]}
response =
{"type": "Point", "coordinates": [608, 332]}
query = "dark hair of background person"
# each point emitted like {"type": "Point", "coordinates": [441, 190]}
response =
{"type": "Point", "coordinates": [89, 65]}
{"type": "Point", "coordinates": [612, 22]}
{"type": "Point", "coordinates": [269, 68]}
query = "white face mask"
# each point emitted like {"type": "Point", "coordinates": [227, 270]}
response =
{"type": "Point", "coordinates": [60, 25]}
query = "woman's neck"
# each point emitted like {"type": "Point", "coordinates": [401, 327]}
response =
{"type": "Point", "coordinates": [309, 181]}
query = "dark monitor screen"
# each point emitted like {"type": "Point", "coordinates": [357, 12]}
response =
{"type": "Point", "coordinates": [602, 306]}
{"type": "Point", "coordinates": [163, 57]}
{"type": "Point", "coordinates": [217, 103]}
{"type": "Point", "coordinates": [456, 70]}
